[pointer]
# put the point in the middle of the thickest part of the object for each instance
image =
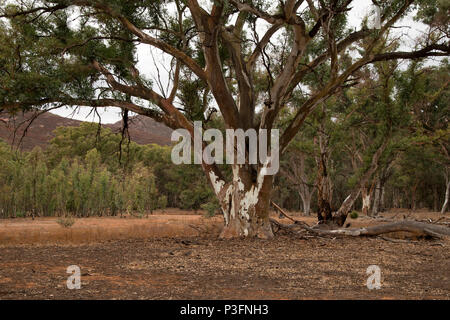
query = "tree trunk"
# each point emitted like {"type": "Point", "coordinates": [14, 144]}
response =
{"type": "Point", "coordinates": [365, 195]}
{"type": "Point", "coordinates": [376, 199]}
{"type": "Point", "coordinates": [245, 203]}
{"type": "Point", "coordinates": [323, 190]}
{"type": "Point", "coordinates": [324, 207]}
{"type": "Point", "coordinates": [367, 198]}
{"type": "Point", "coordinates": [296, 174]}
{"type": "Point", "coordinates": [383, 199]}
{"type": "Point", "coordinates": [396, 199]}
{"type": "Point", "coordinates": [435, 198]}
{"type": "Point", "coordinates": [413, 197]}
{"type": "Point", "coordinates": [383, 178]}
{"type": "Point", "coordinates": [447, 196]}
{"type": "Point", "coordinates": [306, 201]}
{"type": "Point", "coordinates": [341, 215]}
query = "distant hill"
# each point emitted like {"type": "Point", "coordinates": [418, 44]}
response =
{"type": "Point", "coordinates": [143, 130]}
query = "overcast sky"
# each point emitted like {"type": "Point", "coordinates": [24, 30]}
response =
{"type": "Point", "coordinates": [146, 59]}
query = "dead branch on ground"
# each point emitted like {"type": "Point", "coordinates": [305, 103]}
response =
{"type": "Point", "coordinates": [415, 227]}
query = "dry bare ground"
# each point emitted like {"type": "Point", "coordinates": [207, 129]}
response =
{"type": "Point", "coordinates": [175, 255]}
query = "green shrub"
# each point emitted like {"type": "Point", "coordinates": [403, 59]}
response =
{"type": "Point", "coordinates": [66, 222]}
{"type": "Point", "coordinates": [354, 215]}
{"type": "Point", "coordinates": [211, 208]}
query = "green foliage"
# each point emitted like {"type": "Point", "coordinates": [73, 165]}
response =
{"type": "Point", "coordinates": [354, 215]}
{"type": "Point", "coordinates": [408, 108]}
{"type": "Point", "coordinates": [211, 207]}
{"type": "Point", "coordinates": [80, 174]}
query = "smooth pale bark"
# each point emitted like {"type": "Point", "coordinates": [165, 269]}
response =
{"type": "Point", "coordinates": [304, 190]}
{"type": "Point", "coordinates": [447, 198]}
{"type": "Point", "coordinates": [341, 215]}
{"type": "Point", "coordinates": [244, 203]}
{"type": "Point", "coordinates": [365, 195]}
{"type": "Point", "coordinates": [306, 201]}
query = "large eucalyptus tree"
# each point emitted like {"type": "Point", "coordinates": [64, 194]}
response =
{"type": "Point", "coordinates": [83, 53]}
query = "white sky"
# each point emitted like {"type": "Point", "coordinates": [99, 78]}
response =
{"type": "Point", "coordinates": [146, 66]}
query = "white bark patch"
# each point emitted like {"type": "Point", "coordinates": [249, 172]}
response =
{"type": "Point", "coordinates": [251, 197]}
{"type": "Point", "coordinates": [348, 197]}
{"type": "Point", "coordinates": [216, 182]}
{"type": "Point", "coordinates": [237, 179]}
{"type": "Point", "coordinates": [366, 201]}
{"type": "Point", "coordinates": [447, 196]}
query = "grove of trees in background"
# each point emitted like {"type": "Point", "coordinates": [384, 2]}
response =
{"type": "Point", "coordinates": [82, 174]}
{"type": "Point", "coordinates": [407, 109]}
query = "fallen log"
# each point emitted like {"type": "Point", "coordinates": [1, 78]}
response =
{"type": "Point", "coordinates": [415, 227]}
